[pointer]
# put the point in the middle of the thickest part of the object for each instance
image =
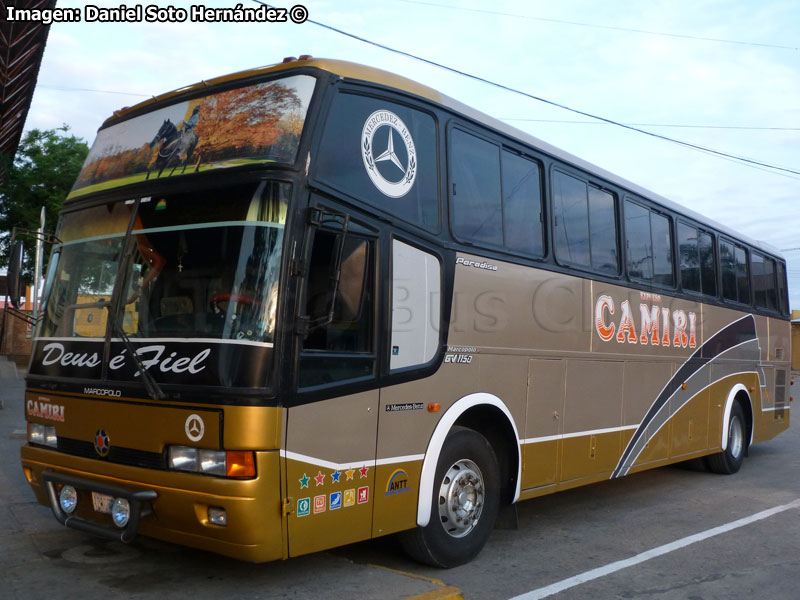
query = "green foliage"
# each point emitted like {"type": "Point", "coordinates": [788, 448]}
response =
{"type": "Point", "coordinates": [42, 173]}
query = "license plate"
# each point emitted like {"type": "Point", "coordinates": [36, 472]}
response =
{"type": "Point", "coordinates": [102, 503]}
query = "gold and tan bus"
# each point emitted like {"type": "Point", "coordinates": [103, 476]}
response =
{"type": "Point", "coordinates": [316, 303]}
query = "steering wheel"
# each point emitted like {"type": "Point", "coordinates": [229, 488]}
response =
{"type": "Point", "coordinates": [213, 302]}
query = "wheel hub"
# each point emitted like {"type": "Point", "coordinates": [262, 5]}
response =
{"type": "Point", "coordinates": [461, 498]}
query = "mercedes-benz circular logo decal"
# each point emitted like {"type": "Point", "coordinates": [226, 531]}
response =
{"type": "Point", "coordinates": [389, 154]}
{"type": "Point", "coordinates": [102, 445]}
{"type": "Point", "coordinates": [195, 428]}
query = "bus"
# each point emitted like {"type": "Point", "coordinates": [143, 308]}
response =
{"type": "Point", "coordinates": [316, 303]}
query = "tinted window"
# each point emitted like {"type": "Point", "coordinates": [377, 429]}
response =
{"type": "Point", "coordinates": [689, 258]}
{"type": "Point", "coordinates": [475, 188]}
{"type": "Point", "coordinates": [365, 153]}
{"type": "Point", "coordinates": [765, 293]}
{"type": "Point", "coordinates": [339, 341]}
{"type": "Point", "coordinates": [742, 278]}
{"type": "Point", "coordinates": [696, 250]}
{"type": "Point", "coordinates": [662, 249]}
{"type": "Point", "coordinates": [735, 279]}
{"type": "Point", "coordinates": [571, 220]}
{"type": "Point", "coordinates": [585, 224]}
{"type": "Point", "coordinates": [603, 231]}
{"type": "Point", "coordinates": [708, 271]}
{"type": "Point", "coordinates": [522, 205]}
{"type": "Point", "coordinates": [649, 242]}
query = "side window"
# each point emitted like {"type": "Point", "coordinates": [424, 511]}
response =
{"type": "Point", "coordinates": [765, 292]}
{"type": "Point", "coordinates": [340, 338]}
{"type": "Point", "coordinates": [689, 258]}
{"type": "Point", "coordinates": [696, 251]}
{"type": "Point", "coordinates": [603, 231]}
{"type": "Point", "coordinates": [742, 276]}
{"type": "Point", "coordinates": [649, 243]}
{"type": "Point", "coordinates": [475, 187]}
{"type": "Point", "coordinates": [708, 270]}
{"type": "Point", "coordinates": [416, 300]}
{"type": "Point", "coordinates": [735, 278]}
{"type": "Point", "coordinates": [382, 153]}
{"type": "Point", "coordinates": [522, 205]}
{"type": "Point", "coordinates": [585, 225]}
{"type": "Point", "coordinates": [495, 195]}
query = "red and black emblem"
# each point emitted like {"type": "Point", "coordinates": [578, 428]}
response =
{"type": "Point", "coordinates": [102, 445]}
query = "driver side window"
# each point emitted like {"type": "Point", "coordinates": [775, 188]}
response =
{"type": "Point", "coordinates": [339, 344]}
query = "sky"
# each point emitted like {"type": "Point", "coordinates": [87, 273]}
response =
{"type": "Point", "coordinates": [726, 72]}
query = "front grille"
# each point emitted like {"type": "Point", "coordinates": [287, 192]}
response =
{"type": "Point", "coordinates": [117, 454]}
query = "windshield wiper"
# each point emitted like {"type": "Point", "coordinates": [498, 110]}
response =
{"type": "Point", "coordinates": [150, 384]}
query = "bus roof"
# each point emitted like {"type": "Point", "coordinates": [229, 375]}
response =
{"type": "Point", "coordinates": [354, 71]}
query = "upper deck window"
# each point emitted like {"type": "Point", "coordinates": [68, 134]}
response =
{"type": "Point", "coordinates": [382, 153]}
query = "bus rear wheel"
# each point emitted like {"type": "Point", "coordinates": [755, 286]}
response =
{"type": "Point", "coordinates": [730, 460]}
{"type": "Point", "coordinates": [464, 505]}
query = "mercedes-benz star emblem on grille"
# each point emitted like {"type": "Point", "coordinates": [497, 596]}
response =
{"type": "Point", "coordinates": [102, 445]}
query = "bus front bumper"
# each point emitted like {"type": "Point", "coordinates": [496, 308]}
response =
{"type": "Point", "coordinates": [167, 505]}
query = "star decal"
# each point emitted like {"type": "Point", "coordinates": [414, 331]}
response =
{"type": "Point", "coordinates": [350, 472]}
{"type": "Point", "coordinates": [363, 470]}
{"type": "Point", "coordinates": [304, 481]}
{"type": "Point", "coordinates": [319, 478]}
{"type": "Point", "coordinates": [335, 476]}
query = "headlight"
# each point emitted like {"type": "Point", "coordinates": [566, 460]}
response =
{"type": "Point", "coordinates": [212, 462]}
{"type": "Point", "coordinates": [44, 435]}
{"type": "Point", "coordinates": [35, 433]}
{"type": "Point", "coordinates": [183, 458]}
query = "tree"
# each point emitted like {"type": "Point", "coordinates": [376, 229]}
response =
{"type": "Point", "coordinates": [41, 174]}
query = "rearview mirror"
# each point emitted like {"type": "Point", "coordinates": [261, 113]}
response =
{"type": "Point", "coordinates": [14, 273]}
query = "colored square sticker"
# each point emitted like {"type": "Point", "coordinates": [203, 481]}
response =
{"type": "Point", "coordinates": [303, 507]}
{"type": "Point", "coordinates": [319, 504]}
{"type": "Point", "coordinates": [363, 495]}
{"type": "Point", "coordinates": [350, 497]}
{"type": "Point", "coordinates": [336, 500]}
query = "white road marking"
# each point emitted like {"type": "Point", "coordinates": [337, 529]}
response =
{"type": "Point", "coordinates": [571, 582]}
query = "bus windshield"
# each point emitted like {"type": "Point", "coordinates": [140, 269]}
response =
{"type": "Point", "coordinates": [199, 269]}
{"type": "Point", "coordinates": [198, 265]}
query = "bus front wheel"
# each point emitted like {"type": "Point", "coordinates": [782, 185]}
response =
{"type": "Point", "coordinates": [465, 502]}
{"type": "Point", "coordinates": [730, 460]}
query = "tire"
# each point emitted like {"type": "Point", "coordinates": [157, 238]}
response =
{"type": "Point", "coordinates": [468, 475]}
{"type": "Point", "coordinates": [730, 460]}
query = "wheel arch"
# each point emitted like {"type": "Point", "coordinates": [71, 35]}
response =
{"type": "Point", "coordinates": [489, 416]}
{"type": "Point", "coordinates": [738, 393]}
